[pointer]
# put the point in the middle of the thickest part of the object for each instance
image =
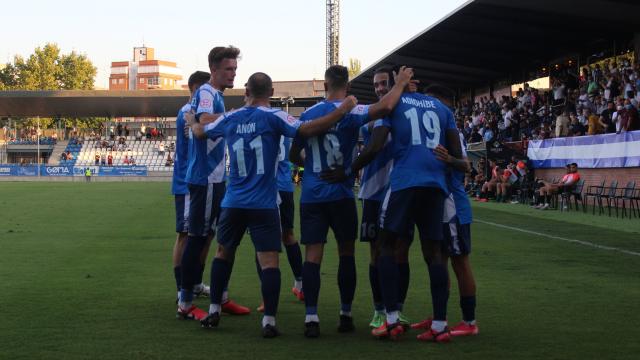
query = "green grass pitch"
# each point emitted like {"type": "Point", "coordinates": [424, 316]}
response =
{"type": "Point", "coordinates": [86, 273]}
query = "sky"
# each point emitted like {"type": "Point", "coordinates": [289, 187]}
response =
{"type": "Point", "coordinates": [284, 38]}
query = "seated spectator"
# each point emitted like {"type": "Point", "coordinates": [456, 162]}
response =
{"type": "Point", "coordinates": [508, 177]}
{"type": "Point", "coordinates": [629, 117]}
{"type": "Point", "coordinates": [576, 128]}
{"type": "Point", "coordinates": [97, 159]}
{"type": "Point", "coordinates": [594, 126]}
{"type": "Point", "coordinates": [161, 149]}
{"type": "Point", "coordinates": [475, 136]}
{"type": "Point", "coordinates": [606, 121]}
{"type": "Point", "coordinates": [126, 160]}
{"type": "Point", "coordinates": [103, 159]}
{"type": "Point", "coordinates": [110, 160]}
{"type": "Point", "coordinates": [63, 156]}
{"type": "Point", "coordinates": [488, 134]}
{"type": "Point", "coordinates": [567, 183]}
{"type": "Point", "coordinates": [132, 161]}
{"type": "Point", "coordinates": [69, 155]}
{"type": "Point", "coordinates": [169, 161]}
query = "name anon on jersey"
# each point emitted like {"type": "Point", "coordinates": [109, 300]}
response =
{"type": "Point", "coordinates": [427, 104]}
{"type": "Point", "coordinates": [246, 128]}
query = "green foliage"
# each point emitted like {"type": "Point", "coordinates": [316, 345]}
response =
{"type": "Point", "coordinates": [49, 69]}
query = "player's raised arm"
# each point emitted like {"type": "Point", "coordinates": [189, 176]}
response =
{"type": "Point", "coordinates": [322, 124]}
{"type": "Point", "coordinates": [384, 107]}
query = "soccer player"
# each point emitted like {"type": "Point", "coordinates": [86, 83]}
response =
{"type": "Point", "coordinates": [253, 134]}
{"type": "Point", "coordinates": [205, 178]}
{"type": "Point", "coordinates": [325, 205]}
{"type": "Point", "coordinates": [179, 186]}
{"type": "Point", "coordinates": [376, 159]}
{"type": "Point", "coordinates": [457, 229]}
{"type": "Point", "coordinates": [287, 210]}
{"type": "Point", "coordinates": [416, 194]}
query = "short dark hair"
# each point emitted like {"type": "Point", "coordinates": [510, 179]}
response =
{"type": "Point", "coordinates": [219, 53]}
{"type": "Point", "coordinates": [259, 85]}
{"type": "Point", "coordinates": [386, 70]}
{"type": "Point", "coordinates": [198, 78]}
{"type": "Point", "coordinates": [440, 91]}
{"type": "Point", "coordinates": [337, 77]}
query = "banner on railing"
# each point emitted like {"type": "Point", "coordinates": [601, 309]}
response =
{"type": "Point", "coordinates": [45, 170]}
{"type": "Point", "coordinates": [596, 151]}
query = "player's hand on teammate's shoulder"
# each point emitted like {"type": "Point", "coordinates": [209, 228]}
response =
{"type": "Point", "coordinates": [348, 103]}
{"type": "Point", "coordinates": [403, 76]}
{"type": "Point", "coordinates": [335, 175]}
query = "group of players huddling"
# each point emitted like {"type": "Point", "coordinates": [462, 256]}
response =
{"type": "Point", "coordinates": [413, 167]}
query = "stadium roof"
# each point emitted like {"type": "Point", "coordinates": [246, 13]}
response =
{"type": "Point", "coordinates": [485, 41]}
{"type": "Point", "coordinates": [99, 103]}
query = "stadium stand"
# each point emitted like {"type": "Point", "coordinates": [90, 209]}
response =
{"type": "Point", "coordinates": [144, 152]}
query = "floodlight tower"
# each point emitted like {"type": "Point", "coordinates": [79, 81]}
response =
{"type": "Point", "coordinates": [333, 32]}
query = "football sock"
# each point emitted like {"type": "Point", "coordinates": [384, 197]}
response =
{"type": "Point", "coordinates": [311, 286]}
{"type": "Point", "coordinates": [186, 297]}
{"type": "Point", "coordinates": [294, 255]}
{"type": "Point", "coordinates": [438, 277]}
{"type": "Point", "coordinates": [268, 320]}
{"type": "Point", "coordinates": [468, 306]}
{"type": "Point", "coordinates": [258, 268]}
{"type": "Point", "coordinates": [404, 273]}
{"type": "Point", "coordinates": [298, 284]}
{"type": "Point", "coordinates": [178, 275]}
{"type": "Point", "coordinates": [270, 290]}
{"type": "Point", "coordinates": [198, 274]}
{"type": "Point", "coordinates": [311, 317]}
{"type": "Point", "coordinates": [220, 270]}
{"type": "Point", "coordinates": [438, 325]}
{"type": "Point", "coordinates": [388, 273]}
{"type": "Point", "coordinates": [374, 280]}
{"type": "Point", "coordinates": [214, 308]}
{"type": "Point", "coordinates": [190, 265]}
{"type": "Point", "coordinates": [225, 295]}
{"type": "Point", "coordinates": [392, 317]}
{"type": "Point", "coordinates": [347, 281]}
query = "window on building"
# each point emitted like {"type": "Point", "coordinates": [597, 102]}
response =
{"type": "Point", "coordinates": [141, 80]}
{"type": "Point", "coordinates": [120, 81]}
{"type": "Point", "coordinates": [114, 81]}
{"type": "Point", "coordinates": [153, 81]}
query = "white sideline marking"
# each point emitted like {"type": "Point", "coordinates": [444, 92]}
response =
{"type": "Point", "coordinates": [585, 243]}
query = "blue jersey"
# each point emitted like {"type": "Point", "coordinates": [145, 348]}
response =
{"type": "Point", "coordinates": [206, 157]}
{"type": "Point", "coordinates": [180, 159]}
{"type": "Point", "coordinates": [334, 148]}
{"type": "Point", "coordinates": [253, 137]}
{"type": "Point", "coordinates": [284, 166]}
{"type": "Point", "coordinates": [375, 176]}
{"type": "Point", "coordinates": [418, 124]}
{"type": "Point", "coordinates": [458, 202]}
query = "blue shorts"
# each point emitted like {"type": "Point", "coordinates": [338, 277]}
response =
{"type": "Point", "coordinates": [370, 225]}
{"type": "Point", "coordinates": [339, 215]}
{"type": "Point", "coordinates": [458, 237]}
{"type": "Point", "coordinates": [287, 209]}
{"type": "Point", "coordinates": [263, 225]}
{"type": "Point", "coordinates": [204, 208]}
{"type": "Point", "coordinates": [423, 206]}
{"type": "Point", "coordinates": [182, 213]}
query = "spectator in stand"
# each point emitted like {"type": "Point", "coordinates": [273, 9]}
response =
{"type": "Point", "coordinates": [567, 183]}
{"type": "Point", "coordinates": [169, 161]}
{"type": "Point", "coordinates": [594, 126]}
{"type": "Point", "coordinates": [606, 118]}
{"type": "Point", "coordinates": [110, 160]}
{"type": "Point", "coordinates": [488, 134]}
{"type": "Point", "coordinates": [558, 93]}
{"type": "Point", "coordinates": [629, 117]}
{"type": "Point", "coordinates": [63, 156]}
{"type": "Point", "coordinates": [119, 129]}
{"type": "Point", "coordinates": [126, 160]}
{"type": "Point", "coordinates": [132, 161]}
{"type": "Point", "coordinates": [126, 130]}
{"type": "Point", "coordinates": [143, 130]}
{"type": "Point", "coordinates": [562, 124]}
{"type": "Point", "coordinates": [161, 149]}
{"type": "Point", "coordinates": [97, 160]}
{"type": "Point", "coordinates": [576, 128]}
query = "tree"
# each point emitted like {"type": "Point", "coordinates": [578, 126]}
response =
{"type": "Point", "coordinates": [48, 69]}
{"type": "Point", "coordinates": [354, 67]}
